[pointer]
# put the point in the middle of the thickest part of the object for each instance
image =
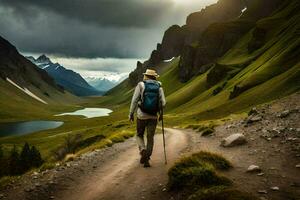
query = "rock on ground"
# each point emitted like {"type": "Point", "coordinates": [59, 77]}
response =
{"type": "Point", "coordinates": [234, 140]}
{"type": "Point", "coordinates": [253, 168]}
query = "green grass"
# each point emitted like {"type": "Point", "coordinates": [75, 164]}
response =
{"type": "Point", "coordinates": [199, 176]}
{"type": "Point", "coordinates": [198, 170]}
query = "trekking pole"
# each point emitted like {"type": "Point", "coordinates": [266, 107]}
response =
{"type": "Point", "coordinates": [163, 132]}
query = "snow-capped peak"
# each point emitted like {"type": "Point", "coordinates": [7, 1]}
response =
{"type": "Point", "coordinates": [43, 59]}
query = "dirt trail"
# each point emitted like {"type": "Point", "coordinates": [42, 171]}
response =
{"type": "Point", "coordinates": [106, 174]}
{"type": "Point", "coordinates": [124, 178]}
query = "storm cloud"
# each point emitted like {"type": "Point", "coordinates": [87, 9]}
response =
{"type": "Point", "coordinates": [91, 28]}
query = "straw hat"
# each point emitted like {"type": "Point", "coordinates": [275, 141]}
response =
{"type": "Point", "coordinates": [151, 72]}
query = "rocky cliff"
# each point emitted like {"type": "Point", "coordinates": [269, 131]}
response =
{"type": "Point", "coordinates": [208, 35]}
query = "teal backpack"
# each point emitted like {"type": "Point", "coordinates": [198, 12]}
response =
{"type": "Point", "coordinates": [150, 100]}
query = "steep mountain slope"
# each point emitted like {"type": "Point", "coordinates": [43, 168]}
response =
{"type": "Point", "coordinates": [207, 35]}
{"type": "Point", "coordinates": [69, 79]}
{"type": "Point", "coordinates": [25, 89]}
{"type": "Point", "coordinates": [234, 65]}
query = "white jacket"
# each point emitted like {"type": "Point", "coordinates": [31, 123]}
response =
{"type": "Point", "coordinates": [137, 99]}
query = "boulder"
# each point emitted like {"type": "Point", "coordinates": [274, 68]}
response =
{"type": "Point", "coordinates": [253, 168]}
{"type": "Point", "coordinates": [234, 140]}
{"type": "Point", "coordinates": [275, 188]}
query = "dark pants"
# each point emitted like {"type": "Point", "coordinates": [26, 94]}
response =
{"type": "Point", "coordinates": [150, 124]}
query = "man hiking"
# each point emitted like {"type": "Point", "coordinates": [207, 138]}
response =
{"type": "Point", "coordinates": [148, 100]}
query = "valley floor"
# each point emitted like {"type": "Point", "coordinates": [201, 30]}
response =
{"type": "Point", "coordinates": [115, 172]}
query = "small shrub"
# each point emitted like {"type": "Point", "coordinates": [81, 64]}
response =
{"type": "Point", "coordinates": [108, 143]}
{"type": "Point", "coordinates": [117, 138]}
{"type": "Point", "coordinates": [74, 143]}
{"type": "Point", "coordinates": [25, 158]}
{"type": "Point", "coordinates": [218, 161]}
{"type": "Point", "coordinates": [198, 170]}
{"type": "Point", "coordinates": [14, 161]}
{"type": "Point", "coordinates": [47, 166]}
{"type": "Point", "coordinates": [197, 175]}
{"type": "Point", "coordinates": [70, 157]}
{"type": "Point", "coordinates": [89, 141]}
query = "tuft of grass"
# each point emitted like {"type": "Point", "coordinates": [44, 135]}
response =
{"type": "Point", "coordinates": [220, 193]}
{"type": "Point", "coordinates": [70, 157]}
{"type": "Point", "coordinates": [198, 170]}
{"type": "Point", "coordinates": [121, 136]}
{"type": "Point", "coordinates": [218, 161]}
{"type": "Point", "coordinates": [198, 175]}
{"type": "Point", "coordinates": [47, 166]}
{"type": "Point", "coordinates": [117, 138]}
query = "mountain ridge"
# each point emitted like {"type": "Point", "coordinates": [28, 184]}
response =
{"type": "Point", "coordinates": [70, 80]}
{"type": "Point", "coordinates": [234, 65]}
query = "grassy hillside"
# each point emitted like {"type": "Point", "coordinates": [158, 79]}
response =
{"type": "Point", "coordinates": [262, 66]}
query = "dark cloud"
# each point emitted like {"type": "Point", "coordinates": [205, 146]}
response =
{"type": "Point", "coordinates": [119, 13]}
{"type": "Point", "coordinates": [89, 28]}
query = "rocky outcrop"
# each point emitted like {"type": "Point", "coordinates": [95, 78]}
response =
{"type": "Point", "coordinates": [172, 42]}
{"type": "Point", "coordinates": [257, 9]}
{"type": "Point", "coordinates": [222, 11]}
{"type": "Point", "coordinates": [208, 35]}
{"type": "Point", "coordinates": [215, 41]}
{"type": "Point", "coordinates": [137, 75]}
{"type": "Point", "coordinates": [186, 63]}
{"type": "Point", "coordinates": [180, 40]}
{"type": "Point", "coordinates": [217, 73]}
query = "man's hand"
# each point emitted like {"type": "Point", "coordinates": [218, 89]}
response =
{"type": "Point", "coordinates": [131, 117]}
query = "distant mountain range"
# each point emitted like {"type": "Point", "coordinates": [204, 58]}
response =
{"type": "Point", "coordinates": [70, 80]}
{"type": "Point", "coordinates": [101, 84]}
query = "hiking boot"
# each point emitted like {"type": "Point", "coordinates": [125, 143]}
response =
{"type": "Point", "coordinates": [147, 164]}
{"type": "Point", "coordinates": [143, 156]}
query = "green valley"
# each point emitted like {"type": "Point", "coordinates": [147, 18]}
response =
{"type": "Point", "coordinates": [212, 71]}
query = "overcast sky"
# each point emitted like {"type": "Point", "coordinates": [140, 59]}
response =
{"type": "Point", "coordinates": [99, 35]}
